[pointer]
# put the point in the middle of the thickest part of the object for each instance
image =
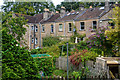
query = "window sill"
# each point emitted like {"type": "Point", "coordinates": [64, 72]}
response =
{"type": "Point", "coordinates": [69, 31]}
{"type": "Point", "coordinates": [94, 30]}
{"type": "Point", "coordinates": [82, 30]}
{"type": "Point", "coordinates": [43, 32]}
{"type": "Point", "coordinates": [60, 31]}
{"type": "Point", "coordinates": [51, 32]}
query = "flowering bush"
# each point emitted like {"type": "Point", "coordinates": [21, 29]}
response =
{"type": "Point", "coordinates": [98, 40]}
{"type": "Point", "coordinates": [80, 56]}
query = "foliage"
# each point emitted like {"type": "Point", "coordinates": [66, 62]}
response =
{"type": "Point", "coordinates": [14, 26]}
{"type": "Point", "coordinates": [61, 73]}
{"type": "Point", "coordinates": [82, 45]}
{"type": "Point", "coordinates": [53, 51]}
{"type": "Point", "coordinates": [16, 61]}
{"type": "Point", "coordinates": [81, 73]}
{"type": "Point", "coordinates": [80, 56]}
{"type": "Point", "coordinates": [75, 5]}
{"type": "Point", "coordinates": [113, 34]}
{"type": "Point", "coordinates": [97, 41]}
{"type": "Point", "coordinates": [49, 41]}
{"type": "Point", "coordinates": [30, 8]}
{"type": "Point", "coordinates": [45, 65]}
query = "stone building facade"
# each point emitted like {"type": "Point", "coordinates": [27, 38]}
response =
{"type": "Point", "coordinates": [61, 24]}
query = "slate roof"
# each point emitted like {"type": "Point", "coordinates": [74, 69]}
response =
{"type": "Point", "coordinates": [51, 19]}
{"type": "Point", "coordinates": [31, 19]}
{"type": "Point", "coordinates": [38, 17]}
{"type": "Point", "coordinates": [70, 16]}
{"type": "Point", "coordinates": [91, 13]}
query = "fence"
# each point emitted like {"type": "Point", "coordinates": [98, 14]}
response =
{"type": "Point", "coordinates": [70, 78]}
{"type": "Point", "coordinates": [96, 69]}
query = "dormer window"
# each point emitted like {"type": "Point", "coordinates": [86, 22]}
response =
{"type": "Point", "coordinates": [94, 24]}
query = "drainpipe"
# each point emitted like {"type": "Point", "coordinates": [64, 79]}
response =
{"type": "Point", "coordinates": [54, 29]}
{"type": "Point", "coordinates": [34, 37]}
{"type": "Point", "coordinates": [73, 25]}
{"type": "Point", "coordinates": [64, 29]}
{"type": "Point", "coordinates": [40, 34]}
{"type": "Point", "coordinates": [30, 37]}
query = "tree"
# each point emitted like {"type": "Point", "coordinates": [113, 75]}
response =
{"type": "Point", "coordinates": [16, 61]}
{"type": "Point", "coordinates": [30, 8]}
{"type": "Point", "coordinates": [114, 32]}
{"type": "Point", "coordinates": [14, 26]}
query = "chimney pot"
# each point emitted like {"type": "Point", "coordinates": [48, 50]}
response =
{"type": "Point", "coordinates": [90, 6]}
{"type": "Point", "coordinates": [46, 9]}
{"type": "Point", "coordinates": [57, 12]}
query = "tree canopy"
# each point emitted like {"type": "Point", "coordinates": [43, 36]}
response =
{"type": "Point", "coordinates": [113, 33]}
{"type": "Point", "coordinates": [16, 61]}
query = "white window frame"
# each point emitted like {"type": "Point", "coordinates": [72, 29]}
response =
{"type": "Point", "coordinates": [69, 27]}
{"type": "Point", "coordinates": [36, 29]}
{"type": "Point", "coordinates": [52, 28]}
{"type": "Point", "coordinates": [36, 40]}
{"type": "Point", "coordinates": [32, 40]}
{"type": "Point", "coordinates": [60, 27]}
{"type": "Point", "coordinates": [81, 26]}
{"type": "Point", "coordinates": [93, 25]}
{"type": "Point", "coordinates": [43, 27]}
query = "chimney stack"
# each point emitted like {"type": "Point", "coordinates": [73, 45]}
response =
{"type": "Point", "coordinates": [107, 5]}
{"type": "Point", "coordinates": [46, 14]}
{"type": "Point", "coordinates": [81, 7]}
{"type": "Point", "coordinates": [62, 11]}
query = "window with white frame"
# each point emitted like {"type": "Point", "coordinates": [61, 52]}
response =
{"type": "Point", "coordinates": [60, 27]}
{"type": "Point", "coordinates": [82, 25]}
{"type": "Point", "coordinates": [36, 28]}
{"type": "Point", "coordinates": [43, 28]}
{"type": "Point", "coordinates": [36, 41]}
{"type": "Point", "coordinates": [32, 27]}
{"type": "Point", "coordinates": [52, 28]}
{"type": "Point", "coordinates": [94, 24]}
{"type": "Point", "coordinates": [32, 40]}
{"type": "Point", "coordinates": [70, 27]}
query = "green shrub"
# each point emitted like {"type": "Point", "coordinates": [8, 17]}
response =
{"type": "Point", "coordinates": [34, 51]}
{"type": "Point", "coordinates": [16, 61]}
{"type": "Point", "coordinates": [45, 65]}
{"type": "Point", "coordinates": [49, 41]}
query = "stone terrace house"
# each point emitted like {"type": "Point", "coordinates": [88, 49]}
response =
{"type": "Point", "coordinates": [61, 24]}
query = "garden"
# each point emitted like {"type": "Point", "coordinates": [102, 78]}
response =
{"type": "Point", "coordinates": [96, 45]}
{"type": "Point", "coordinates": [17, 61]}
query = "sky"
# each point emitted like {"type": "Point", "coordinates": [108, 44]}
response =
{"type": "Point", "coordinates": [56, 2]}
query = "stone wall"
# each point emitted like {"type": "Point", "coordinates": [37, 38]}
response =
{"type": "Point", "coordinates": [96, 69]}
